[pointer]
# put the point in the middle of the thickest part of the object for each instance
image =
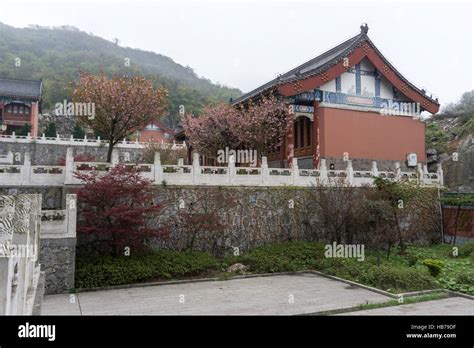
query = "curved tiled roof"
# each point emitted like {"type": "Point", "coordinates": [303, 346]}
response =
{"type": "Point", "coordinates": [20, 88]}
{"type": "Point", "coordinates": [322, 62]}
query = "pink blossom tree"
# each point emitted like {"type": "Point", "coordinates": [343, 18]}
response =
{"type": "Point", "coordinates": [260, 125]}
{"type": "Point", "coordinates": [213, 131]}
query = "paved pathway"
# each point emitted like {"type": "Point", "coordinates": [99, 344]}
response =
{"type": "Point", "coordinates": [446, 306]}
{"type": "Point", "coordinates": [271, 295]}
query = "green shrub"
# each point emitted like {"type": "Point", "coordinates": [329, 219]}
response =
{"type": "Point", "coordinates": [283, 257]}
{"type": "Point", "coordinates": [397, 278]}
{"type": "Point", "coordinates": [106, 270]}
{"type": "Point", "coordinates": [434, 266]}
{"type": "Point", "coordinates": [466, 278]}
{"type": "Point", "coordinates": [412, 259]}
{"type": "Point", "coordinates": [466, 249]}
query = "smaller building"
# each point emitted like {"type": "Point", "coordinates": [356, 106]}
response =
{"type": "Point", "coordinates": [156, 132]}
{"type": "Point", "coordinates": [20, 104]}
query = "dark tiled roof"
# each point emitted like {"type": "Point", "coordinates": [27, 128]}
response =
{"type": "Point", "coordinates": [20, 88]}
{"type": "Point", "coordinates": [322, 62]}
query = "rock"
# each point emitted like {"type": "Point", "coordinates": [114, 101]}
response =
{"type": "Point", "coordinates": [237, 268]}
{"type": "Point", "coordinates": [459, 175]}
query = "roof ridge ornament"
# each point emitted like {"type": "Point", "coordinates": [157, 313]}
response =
{"type": "Point", "coordinates": [364, 28]}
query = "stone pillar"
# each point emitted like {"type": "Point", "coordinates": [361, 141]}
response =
{"type": "Point", "coordinates": [232, 172]}
{"type": "Point", "coordinates": [26, 169]}
{"type": "Point", "coordinates": [69, 166]}
{"type": "Point", "coordinates": [375, 169]}
{"type": "Point", "coordinates": [440, 173]}
{"type": "Point", "coordinates": [421, 176]}
{"type": "Point", "coordinates": [398, 171]}
{"type": "Point", "coordinates": [196, 169]}
{"type": "Point", "coordinates": [350, 173]}
{"type": "Point", "coordinates": [157, 168]}
{"type": "Point", "coordinates": [315, 139]}
{"type": "Point", "coordinates": [265, 171]}
{"type": "Point", "coordinates": [295, 171]}
{"type": "Point", "coordinates": [71, 213]}
{"type": "Point", "coordinates": [323, 171]}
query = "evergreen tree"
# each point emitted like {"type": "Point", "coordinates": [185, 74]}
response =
{"type": "Point", "coordinates": [23, 131]}
{"type": "Point", "coordinates": [50, 131]}
{"type": "Point", "coordinates": [78, 132]}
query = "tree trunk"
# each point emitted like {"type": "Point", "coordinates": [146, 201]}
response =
{"type": "Point", "coordinates": [111, 148]}
{"type": "Point", "coordinates": [400, 238]}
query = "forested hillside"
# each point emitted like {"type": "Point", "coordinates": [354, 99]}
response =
{"type": "Point", "coordinates": [450, 141]}
{"type": "Point", "coordinates": [59, 55]}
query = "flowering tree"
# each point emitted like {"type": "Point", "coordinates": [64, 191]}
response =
{"type": "Point", "coordinates": [213, 131]}
{"type": "Point", "coordinates": [259, 126]}
{"type": "Point", "coordinates": [122, 105]}
{"type": "Point", "coordinates": [262, 125]}
{"type": "Point", "coordinates": [116, 206]}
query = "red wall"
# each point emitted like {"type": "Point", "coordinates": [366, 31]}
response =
{"type": "Point", "coordinates": [370, 135]}
{"type": "Point", "coordinates": [465, 221]}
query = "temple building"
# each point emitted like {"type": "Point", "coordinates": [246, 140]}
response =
{"type": "Point", "coordinates": [350, 103]}
{"type": "Point", "coordinates": [20, 104]}
{"type": "Point", "coordinates": [156, 132]}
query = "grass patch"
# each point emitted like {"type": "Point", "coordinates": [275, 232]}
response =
{"type": "Point", "coordinates": [399, 273]}
{"type": "Point", "coordinates": [391, 303]}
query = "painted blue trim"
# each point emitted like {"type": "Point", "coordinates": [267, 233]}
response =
{"type": "Point", "coordinates": [358, 79]}
{"type": "Point", "coordinates": [338, 84]}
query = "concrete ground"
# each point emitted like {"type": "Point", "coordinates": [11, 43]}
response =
{"type": "Point", "coordinates": [271, 295]}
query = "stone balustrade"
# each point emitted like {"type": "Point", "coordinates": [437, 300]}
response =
{"type": "Point", "coordinates": [58, 140]}
{"type": "Point", "coordinates": [195, 174]}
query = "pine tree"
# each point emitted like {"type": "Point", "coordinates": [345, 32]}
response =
{"type": "Point", "coordinates": [50, 131]}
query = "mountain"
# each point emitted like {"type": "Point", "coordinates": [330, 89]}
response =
{"type": "Point", "coordinates": [58, 56]}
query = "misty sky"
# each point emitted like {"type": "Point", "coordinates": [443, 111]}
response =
{"type": "Point", "coordinates": [246, 43]}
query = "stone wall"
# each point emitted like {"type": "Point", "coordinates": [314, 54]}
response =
{"type": "Point", "coordinates": [219, 219]}
{"type": "Point", "coordinates": [57, 259]}
{"type": "Point", "coordinates": [459, 173]}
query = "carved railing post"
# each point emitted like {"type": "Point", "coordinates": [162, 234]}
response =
{"type": "Point", "coordinates": [439, 171]}
{"type": "Point", "coordinates": [26, 169]}
{"type": "Point", "coordinates": [265, 171]}
{"type": "Point", "coordinates": [295, 170]}
{"type": "Point", "coordinates": [69, 170]}
{"type": "Point", "coordinates": [323, 169]}
{"type": "Point", "coordinates": [196, 169]}
{"type": "Point", "coordinates": [350, 173]}
{"type": "Point", "coordinates": [375, 169]}
{"type": "Point", "coordinates": [398, 171]}
{"type": "Point", "coordinates": [157, 168]}
{"type": "Point", "coordinates": [232, 171]}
